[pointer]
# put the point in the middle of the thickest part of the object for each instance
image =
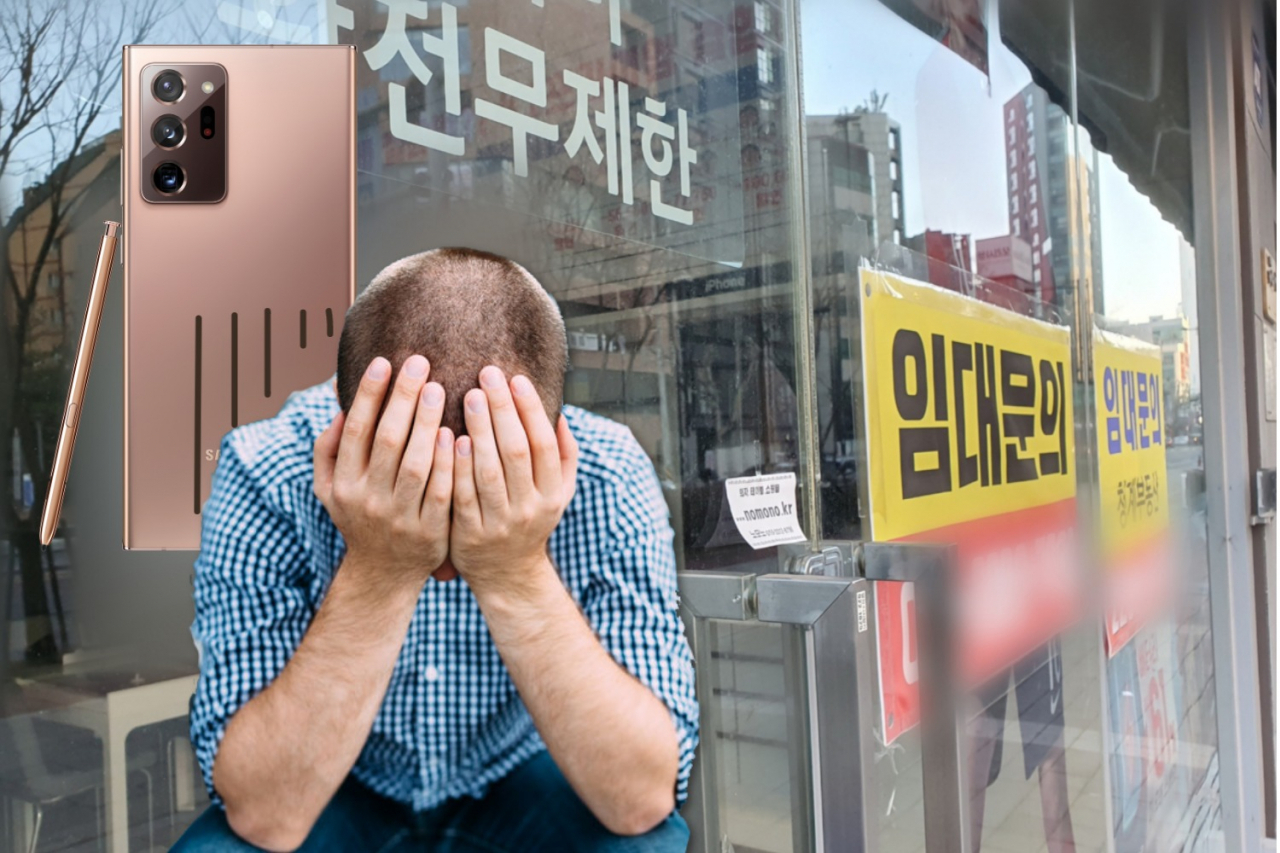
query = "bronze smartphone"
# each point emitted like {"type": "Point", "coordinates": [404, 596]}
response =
{"type": "Point", "coordinates": [52, 512]}
{"type": "Point", "coordinates": [238, 182]}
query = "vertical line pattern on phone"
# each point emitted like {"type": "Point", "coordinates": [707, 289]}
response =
{"type": "Point", "coordinates": [235, 369]}
{"type": "Point", "coordinates": [199, 353]}
{"type": "Point", "coordinates": [290, 248]}
{"type": "Point", "coordinates": [266, 352]}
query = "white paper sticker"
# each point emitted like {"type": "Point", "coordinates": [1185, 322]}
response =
{"type": "Point", "coordinates": [764, 509]}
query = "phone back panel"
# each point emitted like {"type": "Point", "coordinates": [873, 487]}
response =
{"type": "Point", "coordinates": [230, 306]}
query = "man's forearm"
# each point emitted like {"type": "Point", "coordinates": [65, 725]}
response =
{"type": "Point", "coordinates": [611, 736]}
{"type": "Point", "coordinates": [286, 751]}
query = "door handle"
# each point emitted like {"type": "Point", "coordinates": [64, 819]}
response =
{"type": "Point", "coordinates": [797, 599]}
{"type": "Point", "coordinates": [719, 595]}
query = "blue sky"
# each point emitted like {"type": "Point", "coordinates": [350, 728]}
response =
{"type": "Point", "coordinates": [954, 154]}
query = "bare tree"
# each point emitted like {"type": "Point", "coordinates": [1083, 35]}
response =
{"type": "Point", "coordinates": [59, 85]}
{"type": "Point", "coordinates": [875, 103]}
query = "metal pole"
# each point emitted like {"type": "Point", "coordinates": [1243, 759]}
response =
{"type": "Point", "coordinates": [943, 741]}
{"type": "Point", "coordinates": [802, 293]}
{"type": "Point", "coordinates": [1232, 615]}
{"type": "Point", "coordinates": [844, 682]}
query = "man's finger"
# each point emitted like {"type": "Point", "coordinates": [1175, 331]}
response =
{"type": "Point", "coordinates": [415, 467]}
{"type": "Point", "coordinates": [568, 458]}
{"type": "Point", "coordinates": [466, 505]}
{"type": "Point", "coordinates": [397, 420]}
{"type": "Point", "coordinates": [541, 435]}
{"type": "Point", "coordinates": [490, 484]}
{"type": "Point", "coordinates": [438, 497]}
{"type": "Point", "coordinates": [325, 457]}
{"type": "Point", "coordinates": [360, 421]}
{"type": "Point", "coordinates": [508, 432]}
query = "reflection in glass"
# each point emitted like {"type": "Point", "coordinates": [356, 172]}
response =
{"type": "Point", "coordinates": [926, 167]}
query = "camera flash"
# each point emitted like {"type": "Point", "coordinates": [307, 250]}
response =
{"type": "Point", "coordinates": [207, 88]}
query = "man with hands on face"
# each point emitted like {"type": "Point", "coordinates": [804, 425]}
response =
{"type": "Point", "coordinates": [436, 608]}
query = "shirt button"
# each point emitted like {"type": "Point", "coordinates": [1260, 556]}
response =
{"type": "Point", "coordinates": [431, 673]}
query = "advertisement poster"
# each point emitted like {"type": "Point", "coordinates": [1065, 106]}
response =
{"type": "Point", "coordinates": [971, 443]}
{"type": "Point", "coordinates": [1147, 765]}
{"type": "Point", "coordinates": [958, 24]}
{"type": "Point", "coordinates": [1133, 483]}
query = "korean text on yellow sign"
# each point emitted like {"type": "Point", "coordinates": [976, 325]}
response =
{"type": "Point", "coordinates": [1129, 392]}
{"type": "Point", "coordinates": [969, 408]}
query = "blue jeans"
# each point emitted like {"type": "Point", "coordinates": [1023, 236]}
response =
{"type": "Point", "coordinates": [532, 810]}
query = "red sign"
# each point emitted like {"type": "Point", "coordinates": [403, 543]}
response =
{"type": "Point", "coordinates": [1003, 610]}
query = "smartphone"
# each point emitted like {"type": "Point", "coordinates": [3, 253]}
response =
{"type": "Point", "coordinates": [238, 185]}
{"type": "Point", "coordinates": [52, 512]}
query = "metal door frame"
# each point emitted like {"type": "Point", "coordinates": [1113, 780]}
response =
{"type": "Point", "coordinates": [1227, 479]}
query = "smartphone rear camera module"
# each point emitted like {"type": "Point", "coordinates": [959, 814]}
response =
{"type": "Point", "coordinates": [182, 133]}
{"type": "Point", "coordinates": [168, 132]}
{"type": "Point", "coordinates": [207, 126]}
{"type": "Point", "coordinates": [169, 178]}
{"type": "Point", "coordinates": [167, 86]}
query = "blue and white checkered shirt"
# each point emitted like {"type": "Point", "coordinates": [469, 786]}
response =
{"type": "Point", "coordinates": [451, 723]}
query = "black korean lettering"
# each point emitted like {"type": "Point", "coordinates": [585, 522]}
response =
{"type": "Point", "coordinates": [1050, 403]}
{"type": "Point", "coordinates": [915, 442]}
{"type": "Point", "coordinates": [908, 347]}
{"type": "Point", "coordinates": [1053, 416]}
{"type": "Point", "coordinates": [962, 363]}
{"type": "Point", "coordinates": [939, 378]}
{"type": "Point", "coordinates": [1018, 389]}
{"type": "Point", "coordinates": [988, 415]}
{"type": "Point", "coordinates": [1063, 426]}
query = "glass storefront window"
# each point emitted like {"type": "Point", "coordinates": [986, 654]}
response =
{"type": "Point", "coordinates": [970, 131]}
{"type": "Point", "coordinates": [641, 159]}
{"type": "Point", "coordinates": [635, 157]}
{"type": "Point", "coordinates": [1153, 534]}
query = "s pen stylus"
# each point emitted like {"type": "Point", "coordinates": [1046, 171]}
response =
{"type": "Point", "coordinates": [79, 379]}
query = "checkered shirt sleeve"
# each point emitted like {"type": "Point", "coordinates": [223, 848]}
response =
{"type": "Point", "coordinates": [632, 602]}
{"type": "Point", "coordinates": [268, 550]}
{"type": "Point", "coordinates": [251, 597]}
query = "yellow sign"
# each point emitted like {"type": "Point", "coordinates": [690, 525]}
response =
{"type": "Point", "coordinates": [969, 408]}
{"type": "Point", "coordinates": [1132, 476]}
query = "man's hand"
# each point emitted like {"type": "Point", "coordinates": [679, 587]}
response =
{"type": "Point", "coordinates": [387, 482]}
{"type": "Point", "coordinates": [514, 474]}
{"type": "Point", "coordinates": [513, 477]}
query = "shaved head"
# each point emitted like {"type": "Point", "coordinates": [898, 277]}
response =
{"type": "Point", "coordinates": [462, 309]}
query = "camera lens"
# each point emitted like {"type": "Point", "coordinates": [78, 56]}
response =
{"type": "Point", "coordinates": [167, 86]}
{"type": "Point", "coordinates": [168, 177]}
{"type": "Point", "coordinates": [167, 132]}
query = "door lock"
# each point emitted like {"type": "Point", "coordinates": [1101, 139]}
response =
{"type": "Point", "coordinates": [834, 560]}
